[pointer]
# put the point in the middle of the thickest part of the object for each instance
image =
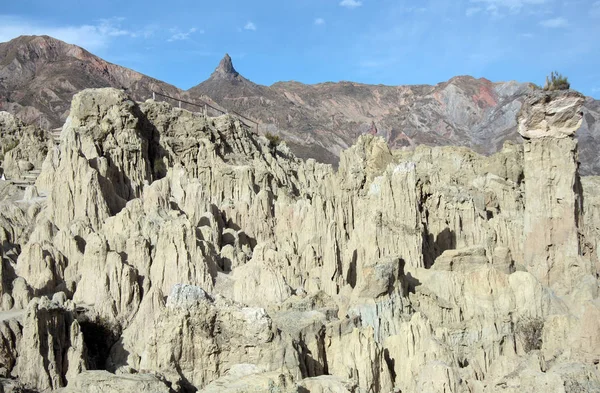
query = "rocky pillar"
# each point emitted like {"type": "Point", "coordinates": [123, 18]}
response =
{"type": "Point", "coordinates": [553, 196]}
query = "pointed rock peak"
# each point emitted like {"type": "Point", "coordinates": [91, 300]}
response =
{"type": "Point", "coordinates": [225, 68]}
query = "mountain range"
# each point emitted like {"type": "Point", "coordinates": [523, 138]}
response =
{"type": "Point", "coordinates": [39, 75]}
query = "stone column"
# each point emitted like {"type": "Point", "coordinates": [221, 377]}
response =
{"type": "Point", "coordinates": [553, 195]}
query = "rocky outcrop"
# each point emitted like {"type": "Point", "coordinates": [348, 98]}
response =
{"type": "Point", "coordinates": [23, 148]}
{"type": "Point", "coordinates": [553, 206]}
{"type": "Point", "coordinates": [52, 349]}
{"type": "Point", "coordinates": [198, 256]}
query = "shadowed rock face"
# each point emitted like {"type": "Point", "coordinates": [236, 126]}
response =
{"type": "Point", "coordinates": [212, 261]}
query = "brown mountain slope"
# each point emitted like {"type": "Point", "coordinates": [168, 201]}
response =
{"type": "Point", "coordinates": [39, 75]}
{"type": "Point", "coordinates": [320, 120]}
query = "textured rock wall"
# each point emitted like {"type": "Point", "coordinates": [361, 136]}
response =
{"type": "Point", "coordinates": [211, 260]}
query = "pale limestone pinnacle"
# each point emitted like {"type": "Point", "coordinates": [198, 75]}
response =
{"type": "Point", "coordinates": [239, 268]}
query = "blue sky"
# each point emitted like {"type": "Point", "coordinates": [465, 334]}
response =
{"type": "Point", "coordinates": [391, 42]}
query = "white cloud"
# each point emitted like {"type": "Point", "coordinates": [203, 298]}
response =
{"type": "Point", "coordinates": [472, 11]}
{"type": "Point", "coordinates": [496, 7]}
{"type": "Point", "coordinates": [319, 21]}
{"type": "Point", "coordinates": [511, 3]}
{"type": "Point", "coordinates": [414, 9]}
{"type": "Point", "coordinates": [555, 23]}
{"type": "Point", "coordinates": [91, 37]}
{"type": "Point", "coordinates": [250, 26]}
{"type": "Point", "coordinates": [180, 36]}
{"type": "Point", "coordinates": [595, 9]}
{"type": "Point", "coordinates": [351, 3]}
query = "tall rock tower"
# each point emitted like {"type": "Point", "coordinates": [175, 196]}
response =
{"type": "Point", "coordinates": [553, 206]}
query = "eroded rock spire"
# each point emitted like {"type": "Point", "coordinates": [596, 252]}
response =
{"type": "Point", "coordinates": [553, 205]}
{"type": "Point", "coordinates": [225, 68]}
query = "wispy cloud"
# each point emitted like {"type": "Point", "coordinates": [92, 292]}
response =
{"type": "Point", "coordinates": [555, 23]}
{"type": "Point", "coordinates": [595, 9]}
{"type": "Point", "coordinates": [319, 21]}
{"type": "Point", "coordinates": [472, 11]}
{"type": "Point", "coordinates": [250, 26]}
{"type": "Point", "coordinates": [511, 3]}
{"type": "Point", "coordinates": [350, 3]}
{"type": "Point", "coordinates": [415, 9]}
{"type": "Point", "coordinates": [90, 36]}
{"type": "Point", "coordinates": [498, 7]}
{"type": "Point", "coordinates": [180, 36]}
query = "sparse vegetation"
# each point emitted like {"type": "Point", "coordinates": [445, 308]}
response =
{"type": "Point", "coordinates": [556, 82]}
{"type": "Point", "coordinates": [274, 140]}
{"type": "Point", "coordinates": [529, 332]}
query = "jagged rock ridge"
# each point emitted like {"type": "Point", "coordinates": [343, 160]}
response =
{"type": "Point", "coordinates": [186, 253]}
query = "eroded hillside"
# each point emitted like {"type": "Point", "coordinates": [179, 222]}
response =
{"type": "Point", "coordinates": [173, 252]}
{"type": "Point", "coordinates": [39, 76]}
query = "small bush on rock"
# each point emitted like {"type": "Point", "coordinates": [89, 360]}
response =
{"type": "Point", "coordinates": [529, 332]}
{"type": "Point", "coordinates": [557, 82]}
{"type": "Point", "coordinates": [274, 140]}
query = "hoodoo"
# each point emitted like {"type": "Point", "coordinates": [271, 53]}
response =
{"type": "Point", "coordinates": [168, 251]}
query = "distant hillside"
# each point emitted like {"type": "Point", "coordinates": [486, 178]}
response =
{"type": "Point", "coordinates": [39, 75]}
{"type": "Point", "coordinates": [320, 120]}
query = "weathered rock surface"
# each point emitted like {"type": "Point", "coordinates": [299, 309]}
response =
{"type": "Point", "coordinates": [185, 253]}
{"type": "Point", "coordinates": [52, 349]}
{"type": "Point", "coordinates": [553, 206]}
{"type": "Point", "coordinates": [22, 148]}
{"type": "Point", "coordinates": [105, 382]}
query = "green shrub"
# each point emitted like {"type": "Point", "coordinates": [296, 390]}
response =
{"type": "Point", "coordinates": [274, 140]}
{"type": "Point", "coordinates": [529, 332]}
{"type": "Point", "coordinates": [557, 82]}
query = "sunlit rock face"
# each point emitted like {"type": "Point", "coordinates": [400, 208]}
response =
{"type": "Point", "coordinates": [176, 252]}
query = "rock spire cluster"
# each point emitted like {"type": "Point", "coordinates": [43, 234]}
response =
{"type": "Point", "coordinates": [168, 251]}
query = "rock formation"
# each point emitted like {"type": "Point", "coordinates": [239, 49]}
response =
{"type": "Point", "coordinates": [185, 253]}
{"type": "Point", "coordinates": [22, 148]}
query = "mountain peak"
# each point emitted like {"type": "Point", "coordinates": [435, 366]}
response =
{"type": "Point", "coordinates": [225, 68]}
